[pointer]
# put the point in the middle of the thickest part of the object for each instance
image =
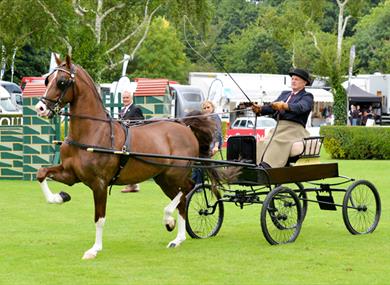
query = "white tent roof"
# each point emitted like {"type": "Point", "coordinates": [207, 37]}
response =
{"type": "Point", "coordinates": [319, 94]}
{"type": "Point", "coordinates": [258, 87]}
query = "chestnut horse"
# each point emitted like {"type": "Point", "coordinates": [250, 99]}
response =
{"type": "Point", "coordinates": [90, 125]}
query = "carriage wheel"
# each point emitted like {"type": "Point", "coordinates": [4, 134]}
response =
{"type": "Point", "coordinates": [281, 216]}
{"type": "Point", "coordinates": [361, 207]}
{"type": "Point", "coordinates": [204, 212]}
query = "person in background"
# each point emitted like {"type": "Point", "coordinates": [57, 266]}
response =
{"type": "Point", "coordinates": [293, 108]}
{"type": "Point", "coordinates": [208, 108]}
{"type": "Point", "coordinates": [355, 115]}
{"type": "Point", "coordinates": [130, 111]}
{"type": "Point", "coordinates": [360, 115]}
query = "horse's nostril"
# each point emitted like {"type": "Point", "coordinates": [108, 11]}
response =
{"type": "Point", "coordinates": [41, 108]}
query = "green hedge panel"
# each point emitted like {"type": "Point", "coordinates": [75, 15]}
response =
{"type": "Point", "coordinates": [347, 142]}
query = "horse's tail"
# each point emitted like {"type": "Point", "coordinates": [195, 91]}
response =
{"type": "Point", "coordinates": [204, 129]}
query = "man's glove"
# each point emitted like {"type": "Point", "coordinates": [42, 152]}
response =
{"type": "Point", "coordinates": [279, 106]}
{"type": "Point", "coordinates": [256, 109]}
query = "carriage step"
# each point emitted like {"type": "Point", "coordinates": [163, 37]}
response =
{"type": "Point", "coordinates": [326, 202]}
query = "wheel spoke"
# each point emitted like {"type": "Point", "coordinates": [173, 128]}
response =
{"type": "Point", "coordinates": [202, 219]}
{"type": "Point", "coordinates": [281, 216]}
{"type": "Point", "coordinates": [361, 207]}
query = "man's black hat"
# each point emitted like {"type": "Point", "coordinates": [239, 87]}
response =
{"type": "Point", "coordinates": [302, 74]}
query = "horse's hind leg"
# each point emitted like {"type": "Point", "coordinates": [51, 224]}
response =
{"type": "Point", "coordinates": [177, 194]}
{"type": "Point", "coordinates": [57, 173]}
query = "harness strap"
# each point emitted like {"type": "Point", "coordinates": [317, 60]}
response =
{"type": "Point", "coordinates": [112, 131]}
{"type": "Point", "coordinates": [79, 145]}
{"type": "Point", "coordinates": [123, 159]}
{"type": "Point", "coordinates": [126, 146]}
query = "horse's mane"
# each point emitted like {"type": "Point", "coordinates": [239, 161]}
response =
{"type": "Point", "coordinates": [91, 84]}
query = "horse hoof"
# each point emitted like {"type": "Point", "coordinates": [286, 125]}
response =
{"type": "Point", "coordinates": [65, 196]}
{"type": "Point", "coordinates": [88, 255]}
{"type": "Point", "coordinates": [172, 245]}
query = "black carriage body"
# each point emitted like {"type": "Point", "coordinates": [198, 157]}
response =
{"type": "Point", "coordinates": [243, 149]}
{"type": "Point", "coordinates": [283, 175]}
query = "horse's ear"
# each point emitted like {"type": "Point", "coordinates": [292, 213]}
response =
{"type": "Point", "coordinates": [68, 61]}
{"type": "Point", "coordinates": [58, 59]}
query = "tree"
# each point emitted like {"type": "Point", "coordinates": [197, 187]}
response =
{"type": "Point", "coordinates": [29, 62]}
{"type": "Point", "coordinates": [372, 40]}
{"type": "Point", "coordinates": [340, 96]}
{"type": "Point", "coordinates": [116, 27]}
{"type": "Point", "coordinates": [162, 54]}
{"type": "Point", "coordinates": [231, 19]}
{"type": "Point", "coordinates": [96, 32]}
{"type": "Point", "coordinates": [15, 33]}
{"type": "Point", "coordinates": [255, 51]}
{"type": "Point", "coordinates": [346, 10]}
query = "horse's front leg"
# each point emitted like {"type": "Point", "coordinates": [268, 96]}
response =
{"type": "Point", "coordinates": [169, 221]}
{"type": "Point", "coordinates": [57, 173]}
{"type": "Point", "coordinates": [100, 200]}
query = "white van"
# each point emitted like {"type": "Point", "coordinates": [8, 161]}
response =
{"type": "Point", "coordinates": [6, 106]}
{"type": "Point", "coordinates": [15, 91]}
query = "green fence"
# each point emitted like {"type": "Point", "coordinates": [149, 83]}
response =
{"type": "Point", "coordinates": [27, 146]}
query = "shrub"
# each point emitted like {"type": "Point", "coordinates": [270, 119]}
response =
{"type": "Point", "coordinates": [348, 142]}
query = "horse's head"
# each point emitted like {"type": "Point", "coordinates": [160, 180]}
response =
{"type": "Point", "coordinates": [59, 88]}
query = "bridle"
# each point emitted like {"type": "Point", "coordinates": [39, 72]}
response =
{"type": "Point", "coordinates": [63, 84]}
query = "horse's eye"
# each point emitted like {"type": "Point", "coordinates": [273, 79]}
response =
{"type": "Point", "coordinates": [46, 81]}
{"type": "Point", "coordinates": [61, 84]}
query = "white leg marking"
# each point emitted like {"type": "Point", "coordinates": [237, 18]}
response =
{"type": "Point", "coordinates": [168, 220]}
{"type": "Point", "coordinates": [181, 233]}
{"type": "Point", "coordinates": [50, 197]}
{"type": "Point", "coordinates": [98, 246]}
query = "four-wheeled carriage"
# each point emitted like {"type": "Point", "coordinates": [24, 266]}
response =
{"type": "Point", "coordinates": [286, 198]}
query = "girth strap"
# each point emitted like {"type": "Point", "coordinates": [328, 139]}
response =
{"type": "Point", "coordinates": [122, 158]}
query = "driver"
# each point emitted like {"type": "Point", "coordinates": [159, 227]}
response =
{"type": "Point", "coordinates": [293, 108]}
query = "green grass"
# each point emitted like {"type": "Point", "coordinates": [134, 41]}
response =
{"type": "Point", "coordinates": [43, 244]}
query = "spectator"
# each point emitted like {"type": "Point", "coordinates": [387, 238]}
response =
{"type": "Point", "coordinates": [130, 112]}
{"type": "Point", "coordinates": [208, 108]}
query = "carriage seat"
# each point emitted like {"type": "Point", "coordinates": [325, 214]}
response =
{"type": "Point", "coordinates": [243, 149]}
{"type": "Point", "coordinates": [309, 147]}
